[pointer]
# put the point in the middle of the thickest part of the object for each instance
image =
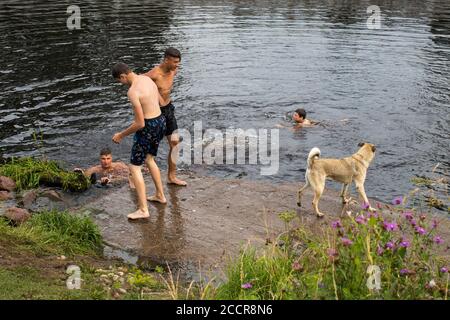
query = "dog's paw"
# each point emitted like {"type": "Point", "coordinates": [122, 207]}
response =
{"type": "Point", "coordinates": [346, 200]}
{"type": "Point", "coordinates": [371, 209]}
{"type": "Point", "coordinates": [319, 215]}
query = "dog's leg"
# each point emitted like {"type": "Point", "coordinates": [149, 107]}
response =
{"type": "Point", "coordinates": [300, 191]}
{"type": "Point", "coordinates": [360, 187]}
{"type": "Point", "coordinates": [318, 189]}
{"type": "Point", "coordinates": [344, 193]}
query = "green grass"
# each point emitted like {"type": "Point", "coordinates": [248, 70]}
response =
{"type": "Point", "coordinates": [27, 283]}
{"type": "Point", "coordinates": [45, 234]}
{"type": "Point", "coordinates": [56, 231]}
{"type": "Point", "coordinates": [29, 173]}
{"type": "Point", "coordinates": [335, 264]}
{"type": "Point", "coordinates": [270, 275]}
{"type": "Point", "coordinates": [29, 271]}
{"type": "Point", "coordinates": [422, 181]}
{"type": "Point", "coordinates": [72, 233]}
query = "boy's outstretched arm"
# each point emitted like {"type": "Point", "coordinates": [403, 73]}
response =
{"type": "Point", "coordinates": [138, 123]}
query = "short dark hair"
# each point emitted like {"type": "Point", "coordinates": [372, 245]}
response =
{"type": "Point", "coordinates": [119, 69]}
{"type": "Point", "coordinates": [172, 52]}
{"type": "Point", "coordinates": [301, 112]}
{"type": "Point", "coordinates": [105, 152]}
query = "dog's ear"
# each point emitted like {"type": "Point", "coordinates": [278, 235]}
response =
{"type": "Point", "coordinates": [374, 148]}
{"type": "Point", "coordinates": [361, 144]}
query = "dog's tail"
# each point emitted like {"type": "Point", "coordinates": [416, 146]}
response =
{"type": "Point", "coordinates": [313, 154]}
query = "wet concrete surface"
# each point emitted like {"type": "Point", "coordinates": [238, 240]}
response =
{"type": "Point", "coordinates": [204, 223]}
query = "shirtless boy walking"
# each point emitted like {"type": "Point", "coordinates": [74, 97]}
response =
{"type": "Point", "coordinates": [148, 127]}
{"type": "Point", "coordinates": [163, 75]}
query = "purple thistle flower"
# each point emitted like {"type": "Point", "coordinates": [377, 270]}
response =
{"type": "Point", "coordinates": [379, 206]}
{"type": "Point", "coordinates": [380, 250]}
{"type": "Point", "coordinates": [247, 285]}
{"type": "Point", "coordinates": [374, 214]}
{"type": "Point", "coordinates": [437, 240]}
{"type": "Point", "coordinates": [413, 222]}
{"type": "Point", "coordinates": [408, 215]}
{"type": "Point", "coordinates": [360, 220]}
{"type": "Point", "coordinates": [332, 254]}
{"type": "Point", "coordinates": [296, 266]}
{"type": "Point", "coordinates": [390, 226]}
{"type": "Point", "coordinates": [444, 270]}
{"type": "Point", "coordinates": [365, 205]}
{"type": "Point", "coordinates": [405, 272]}
{"type": "Point", "coordinates": [397, 200]}
{"type": "Point", "coordinates": [346, 242]}
{"type": "Point", "coordinates": [435, 224]}
{"type": "Point", "coordinates": [390, 245]}
{"type": "Point", "coordinates": [405, 243]}
{"type": "Point", "coordinates": [336, 224]}
{"type": "Point", "coordinates": [420, 230]}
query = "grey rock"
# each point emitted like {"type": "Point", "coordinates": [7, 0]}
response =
{"type": "Point", "coordinates": [28, 198]}
{"type": "Point", "coordinates": [53, 195]}
{"type": "Point", "coordinates": [45, 204]}
{"type": "Point", "coordinates": [102, 216]}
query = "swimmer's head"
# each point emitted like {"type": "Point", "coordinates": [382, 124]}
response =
{"type": "Point", "coordinates": [172, 58]}
{"type": "Point", "coordinates": [120, 72]}
{"type": "Point", "coordinates": [299, 115]}
{"type": "Point", "coordinates": [106, 158]}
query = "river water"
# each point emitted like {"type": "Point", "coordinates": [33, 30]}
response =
{"type": "Point", "coordinates": [245, 64]}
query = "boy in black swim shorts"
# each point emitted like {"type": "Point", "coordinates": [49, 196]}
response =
{"type": "Point", "coordinates": [163, 75]}
{"type": "Point", "coordinates": [171, 122]}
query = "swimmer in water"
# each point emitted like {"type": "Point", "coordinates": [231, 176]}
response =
{"type": "Point", "coordinates": [108, 171]}
{"type": "Point", "coordinates": [300, 120]}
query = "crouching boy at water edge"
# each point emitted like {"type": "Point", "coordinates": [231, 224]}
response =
{"type": "Point", "coordinates": [148, 127]}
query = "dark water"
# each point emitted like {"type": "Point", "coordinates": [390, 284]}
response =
{"type": "Point", "coordinates": [246, 64]}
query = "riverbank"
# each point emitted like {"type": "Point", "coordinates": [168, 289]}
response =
{"type": "Point", "coordinates": [208, 221]}
{"type": "Point", "coordinates": [55, 255]}
{"type": "Point", "coordinates": [199, 232]}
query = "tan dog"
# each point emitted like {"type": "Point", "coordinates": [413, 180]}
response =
{"type": "Point", "coordinates": [346, 170]}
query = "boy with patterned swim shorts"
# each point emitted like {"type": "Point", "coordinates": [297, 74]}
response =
{"type": "Point", "coordinates": [148, 127]}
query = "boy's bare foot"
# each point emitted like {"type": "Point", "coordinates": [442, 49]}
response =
{"type": "Point", "coordinates": [157, 199]}
{"type": "Point", "coordinates": [138, 214]}
{"type": "Point", "coordinates": [177, 182]}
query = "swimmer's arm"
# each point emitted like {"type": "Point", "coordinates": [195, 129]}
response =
{"type": "Point", "coordinates": [138, 123]}
{"type": "Point", "coordinates": [90, 171]}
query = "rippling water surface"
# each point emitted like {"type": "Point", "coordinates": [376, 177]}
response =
{"type": "Point", "coordinates": [246, 64]}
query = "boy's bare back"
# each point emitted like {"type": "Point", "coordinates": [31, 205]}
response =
{"type": "Point", "coordinates": [146, 91]}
